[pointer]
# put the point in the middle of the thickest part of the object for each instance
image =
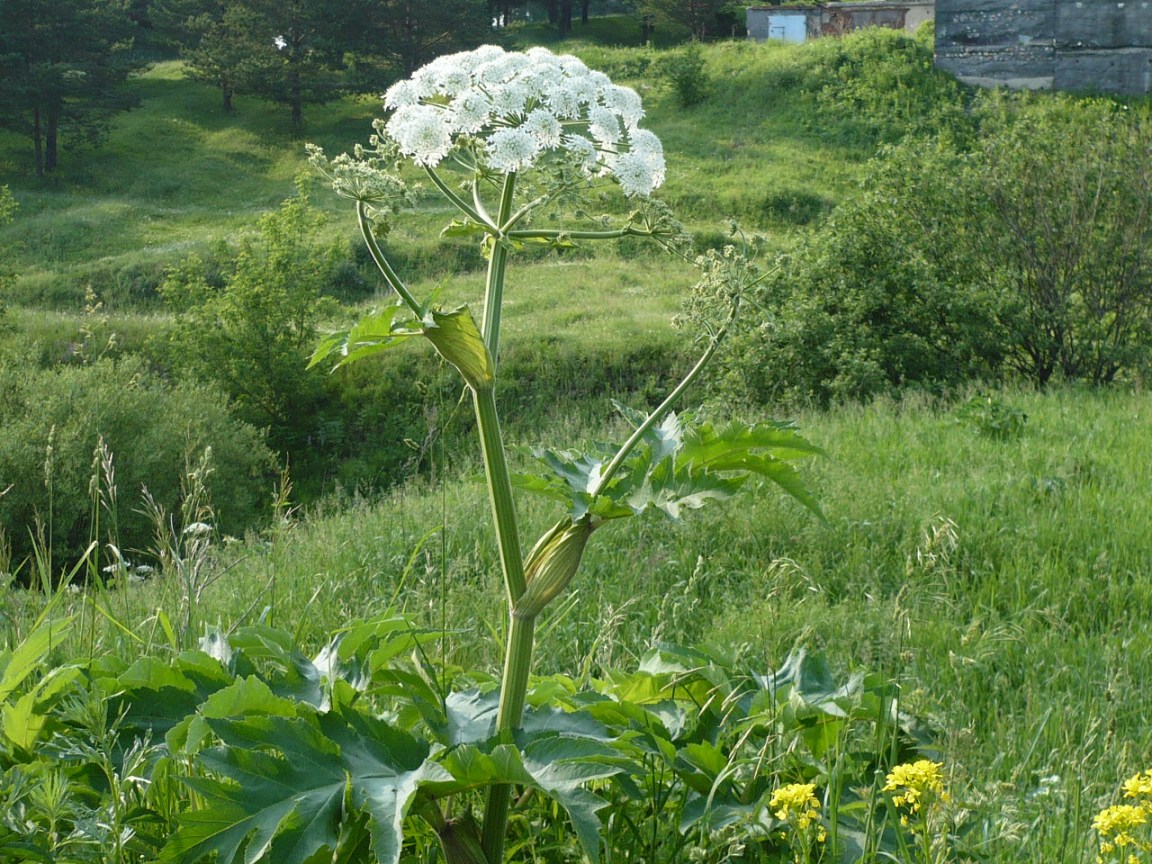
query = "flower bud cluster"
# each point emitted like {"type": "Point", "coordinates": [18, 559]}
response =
{"type": "Point", "coordinates": [519, 109]}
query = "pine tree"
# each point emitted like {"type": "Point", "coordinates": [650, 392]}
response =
{"type": "Point", "coordinates": [63, 64]}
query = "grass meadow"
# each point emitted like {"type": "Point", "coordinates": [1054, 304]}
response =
{"type": "Point", "coordinates": [1004, 581]}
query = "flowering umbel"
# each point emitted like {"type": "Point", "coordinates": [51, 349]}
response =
{"type": "Point", "coordinates": [512, 111]}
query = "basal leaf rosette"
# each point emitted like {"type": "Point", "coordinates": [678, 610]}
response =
{"type": "Point", "coordinates": [508, 112]}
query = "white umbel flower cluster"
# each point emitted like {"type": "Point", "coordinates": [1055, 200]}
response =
{"type": "Point", "coordinates": [521, 109]}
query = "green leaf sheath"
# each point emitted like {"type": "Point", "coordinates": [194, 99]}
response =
{"type": "Point", "coordinates": [457, 338]}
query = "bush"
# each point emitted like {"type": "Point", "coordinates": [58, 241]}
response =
{"type": "Point", "coordinates": [1055, 210]}
{"type": "Point", "coordinates": [51, 422]}
{"type": "Point", "coordinates": [251, 329]}
{"type": "Point", "coordinates": [876, 86]}
{"type": "Point", "coordinates": [684, 70]}
{"type": "Point", "coordinates": [874, 300]}
{"type": "Point", "coordinates": [1027, 252]}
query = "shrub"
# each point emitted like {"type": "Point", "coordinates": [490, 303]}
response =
{"type": "Point", "coordinates": [684, 70]}
{"type": "Point", "coordinates": [1027, 252]}
{"type": "Point", "coordinates": [1055, 210]}
{"type": "Point", "coordinates": [51, 422]}
{"type": "Point", "coordinates": [875, 299]}
{"type": "Point", "coordinates": [252, 334]}
{"type": "Point", "coordinates": [877, 86]}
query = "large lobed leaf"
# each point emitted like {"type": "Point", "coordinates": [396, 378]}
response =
{"type": "Point", "coordinates": [291, 780]}
{"type": "Point", "coordinates": [675, 466]}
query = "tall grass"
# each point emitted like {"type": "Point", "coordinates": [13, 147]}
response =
{"type": "Point", "coordinates": [1004, 583]}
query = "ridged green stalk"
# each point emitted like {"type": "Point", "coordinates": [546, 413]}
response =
{"type": "Point", "coordinates": [499, 492]}
{"type": "Point", "coordinates": [497, 262]}
{"type": "Point", "coordinates": [382, 262]}
{"type": "Point", "coordinates": [518, 657]}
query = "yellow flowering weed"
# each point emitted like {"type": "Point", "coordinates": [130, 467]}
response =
{"type": "Point", "coordinates": [915, 782]}
{"type": "Point", "coordinates": [798, 800]}
{"type": "Point", "coordinates": [1124, 828]}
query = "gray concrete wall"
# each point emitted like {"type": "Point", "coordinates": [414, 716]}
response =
{"type": "Point", "coordinates": [1101, 45]}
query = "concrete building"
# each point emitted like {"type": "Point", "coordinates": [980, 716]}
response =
{"type": "Point", "coordinates": [1097, 45]}
{"type": "Point", "coordinates": [801, 23]}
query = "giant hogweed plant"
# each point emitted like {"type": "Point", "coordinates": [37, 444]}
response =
{"type": "Point", "coordinates": [505, 138]}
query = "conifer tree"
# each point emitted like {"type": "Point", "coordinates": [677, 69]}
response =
{"type": "Point", "coordinates": [63, 64]}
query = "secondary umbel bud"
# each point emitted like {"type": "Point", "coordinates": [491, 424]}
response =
{"type": "Point", "coordinates": [552, 563]}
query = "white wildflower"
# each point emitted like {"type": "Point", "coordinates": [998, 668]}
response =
{"type": "Point", "coordinates": [643, 141]}
{"type": "Point", "coordinates": [573, 65]}
{"type": "Point", "coordinates": [587, 157]}
{"type": "Point", "coordinates": [402, 94]}
{"type": "Point", "coordinates": [453, 81]}
{"type": "Point", "coordinates": [638, 173]}
{"type": "Point", "coordinates": [544, 127]}
{"type": "Point", "coordinates": [565, 101]}
{"type": "Point", "coordinates": [604, 125]}
{"type": "Point", "coordinates": [421, 133]}
{"type": "Point", "coordinates": [542, 56]}
{"type": "Point", "coordinates": [598, 79]}
{"type": "Point", "coordinates": [582, 91]}
{"type": "Point", "coordinates": [510, 98]}
{"type": "Point", "coordinates": [625, 102]}
{"type": "Point", "coordinates": [512, 149]}
{"type": "Point", "coordinates": [469, 112]}
{"type": "Point", "coordinates": [521, 109]}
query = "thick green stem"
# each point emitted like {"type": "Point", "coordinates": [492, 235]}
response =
{"type": "Point", "coordinates": [500, 493]}
{"type": "Point", "coordinates": [392, 277]}
{"type": "Point", "coordinates": [513, 689]}
{"type": "Point", "coordinates": [497, 263]}
{"type": "Point", "coordinates": [518, 659]}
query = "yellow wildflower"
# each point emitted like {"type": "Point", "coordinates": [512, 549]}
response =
{"type": "Point", "coordinates": [796, 799]}
{"type": "Point", "coordinates": [1139, 785]}
{"type": "Point", "coordinates": [913, 781]}
{"type": "Point", "coordinates": [1116, 825]}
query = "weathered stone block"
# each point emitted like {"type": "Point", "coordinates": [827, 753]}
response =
{"type": "Point", "coordinates": [1092, 24]}
{"type": "Point", "coordinates": [1123, 71]}
{"type": "Point", "coordinates": [1101, 45]}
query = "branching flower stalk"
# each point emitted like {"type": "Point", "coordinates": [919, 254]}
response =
{"type": "Point", "coordinates": [499, 117]}
{"type": "Point", "coordinates": [918, 794]}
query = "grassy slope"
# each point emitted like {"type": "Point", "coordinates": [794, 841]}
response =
{"type": "Point", "coordinates": [178, 173]}
{"type": "Point", "coordinates": [1003, 583]}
